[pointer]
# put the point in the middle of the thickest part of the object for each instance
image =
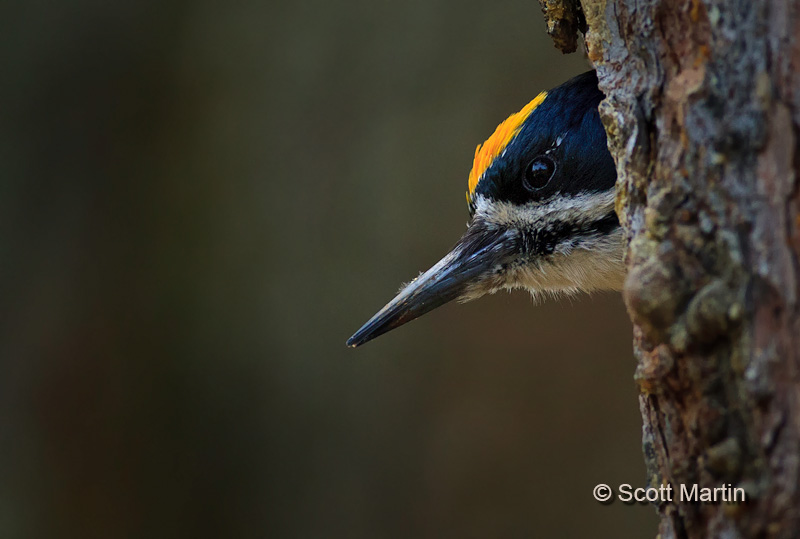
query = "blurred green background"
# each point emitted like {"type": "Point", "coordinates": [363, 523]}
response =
{"type": "Point", "coordinates": [200, 202]}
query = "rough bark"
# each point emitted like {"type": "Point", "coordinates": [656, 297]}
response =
{"type": "Point", "coordinates": [703, 116]}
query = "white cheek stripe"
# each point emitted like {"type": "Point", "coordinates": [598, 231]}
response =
{"type": "Point", "coordinates": [577, 264]}
{"type": "Point", "coordinates": [583, 208]}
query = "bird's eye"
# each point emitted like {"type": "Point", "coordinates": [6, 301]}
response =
{"type": "Point", "coordinates": [539, 173]}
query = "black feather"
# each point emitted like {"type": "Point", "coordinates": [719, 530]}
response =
{"type": "Point", "coordinates": [583, 163]}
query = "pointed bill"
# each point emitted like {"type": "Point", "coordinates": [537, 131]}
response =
{"type": "Point", "coordinates": [478, 253]}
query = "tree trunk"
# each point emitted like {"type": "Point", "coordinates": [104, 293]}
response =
{"type": "Point", "coordinates": [702, 111]}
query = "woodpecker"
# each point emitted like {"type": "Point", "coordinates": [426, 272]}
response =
{"type": "Point", "coordinates": [541, 203]}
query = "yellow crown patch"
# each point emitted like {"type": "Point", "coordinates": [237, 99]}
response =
{"type": "Point", "coordinates": [488, 151]}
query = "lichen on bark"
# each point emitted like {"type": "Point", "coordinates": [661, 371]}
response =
{"type": "Point", "coordinates": [564, 20]}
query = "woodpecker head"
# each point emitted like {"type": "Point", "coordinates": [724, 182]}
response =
{"type": "Point", "coordinates": [541, 200]}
